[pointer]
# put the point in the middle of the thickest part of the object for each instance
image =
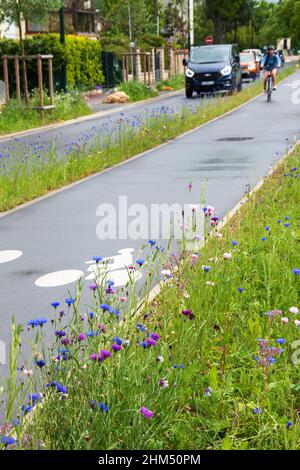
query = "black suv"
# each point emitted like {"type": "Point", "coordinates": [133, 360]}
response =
{"type": "Point", "coordinates": [213, 69]}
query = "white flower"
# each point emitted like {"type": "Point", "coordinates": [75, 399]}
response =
{"type": "Point", "coordinates": [28, 372]}
{"type": "Point", "coordinates": [294, 310]}
{"type": "Point", "coordinates": [227, 256]}
{"type": "Point", "coordinates": [297, 322]}
{"type": "Point", "coordinates": [166, 273]}
{"type": "Point", "coordinates": [284, 320]}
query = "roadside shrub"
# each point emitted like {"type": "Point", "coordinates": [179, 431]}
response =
{"type": "Point", "coordinates": [82, 56]}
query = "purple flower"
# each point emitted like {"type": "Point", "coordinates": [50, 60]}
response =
{"type": "Point", "coordinates": [81, 337]}
{"type": "Point", "coordinates": [104, 354]}
{"type": "Point", "coordinates": [256, 411]}
{"type": "Point", "coordinates": [60, 333]}
{"type": "Point", "coordinates": [148, 414]}
{"type": "Point", "coordinates": [208, 391]}
{"type": "Point", "coordinates": [93, 287]}
{"type": "Point", "coordinates": [150, 342]}
{"type": "Point", "coordinates": [155, 336]}
{"type": "Point", "coordinates": [116, 347]}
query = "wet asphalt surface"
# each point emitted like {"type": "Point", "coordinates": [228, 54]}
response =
{"type": "Point", "coordinates": [59, 232]}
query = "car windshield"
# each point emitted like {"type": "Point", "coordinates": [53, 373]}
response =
{"type": "Point", "coordinates": [209, 54]}
{"type": "Point", "coordinates": [247, 57]}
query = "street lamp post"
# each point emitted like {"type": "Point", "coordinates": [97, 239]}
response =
{"type": "Point", "coordinates": [156, 17]}
{"type": "Point", "coordinates": [191, 33]}
{"type": "Point", "coordinates": [63, 41]}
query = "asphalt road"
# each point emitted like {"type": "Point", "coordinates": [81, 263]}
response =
{"type": "Point", "coordinates": [59, 232]}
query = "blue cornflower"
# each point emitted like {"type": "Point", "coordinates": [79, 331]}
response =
{"type": "Point", "coordinates": [117, 340]}
{"type": "Point", "coordinates": [70, 301]}
{"type": "Point", "coordinates": [208, 391]}
{"type": "Point", "coordinates": [152, 242]}
{"type": "Point", "coordinates": [234, 243]}
{"type": "Point", "coordinates": [144, 344]}
{"type": "Point", "coordinates": [268, 229]}
{"type": "Point", "coordinates": [296, 271]}
{"type": "Point", "coordinates": [279, 221]}
{"type": "Point", "coordinates": [7, 440]}
{"type": "Point", "coordinates": [97, 259]}
{"type": "Point", "coordinates": [103, 407]}
{"type": "Point", "coordinates": [140, 262]}
{"type": "Point", "coordinates": [263, 239]}
{"type": "Point", "coordinates": [289, 424]}
{"type": "Point", "coordinates": [240, 289]}
{"type": "Point", "coordinates": [181, 366]}
{"type": "Point", "coordinates": [256, 411]}
{"type": "Point", "coordinates": [286, 217]}
{"type": "Point", "coordinates": [40, 363]}
{"type": "Point", "coordinates": [107, 308]}
{"type": "Point", "coordinates": [60, 333]}
{"type": "Point", "coordinates": [55, 304]}
{"type": "Point", "coordinates": [287, 225]}
{"type": "Point", "coordinates": [280, 340]}
{"type": "Point", "coordinates": [91, 315]}
{"type": "Point", "coordinates": [141, 327]}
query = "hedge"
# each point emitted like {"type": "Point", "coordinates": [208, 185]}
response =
{"type": "Point", "coordinates": [82, 56]}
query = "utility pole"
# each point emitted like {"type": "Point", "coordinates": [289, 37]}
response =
{"type": "Point", "coordinates": [63, 41]}
{"type": "Point", "coordinates": [191, 22]}
{"type": "Point", "coordinates": [131, 36]}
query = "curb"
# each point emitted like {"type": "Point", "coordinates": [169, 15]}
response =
{"type": "Point", "coordinates": [90, 117]}
{"type": "Point", "coordinates": [135, 157]}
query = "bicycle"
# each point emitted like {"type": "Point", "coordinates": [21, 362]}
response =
{"type": "Point", "coordinates": [269, 88]}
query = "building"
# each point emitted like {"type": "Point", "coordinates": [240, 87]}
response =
{"type": "Point", "coordinates": [80, 19]}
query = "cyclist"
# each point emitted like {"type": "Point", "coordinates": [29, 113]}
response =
{"type": "Point", "coordinates": [270, 63]}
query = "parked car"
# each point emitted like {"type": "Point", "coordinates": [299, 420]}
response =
{"type": "Point", "coordinates": [281, 56]}
{"type": "Point", "coordinates": [257, 52]}
{"type": "Point", "coordinates": [249, 65]}
{"type": "Point", "coordinates": [213, 69]}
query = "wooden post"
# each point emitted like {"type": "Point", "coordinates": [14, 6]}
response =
{"type": "Point", "coordinates": [149, 69]}
{"type": "Point", "coordinates": [5, 71]}
{"type": "Point", "coordinates": [17, 72]}
{"type": "Point", "coordinates": [127, 71]}
{"type": "Point", "coordinates": [40, 79]}
{"type": "Point", "coordinates": [145, 58]}
{"type": "Point", "coordinates": [50, 71]}
{"type": "Point", "coordinates": [25, 81]}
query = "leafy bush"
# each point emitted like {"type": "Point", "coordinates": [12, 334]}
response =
{"type": "Point", "coordinates": [82, 56]}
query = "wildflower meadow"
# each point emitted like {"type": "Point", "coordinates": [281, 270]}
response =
{"type": "Point", "coordinates": [211, 362]}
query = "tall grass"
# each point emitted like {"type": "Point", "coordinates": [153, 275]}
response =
{"type": "Point", "coordinates": [17, 116]}
{"type": "Point", "coordinates": [137, 91]}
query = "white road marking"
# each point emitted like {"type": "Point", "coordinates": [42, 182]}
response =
{"type": "Point", "coordinates": [9, 255]}
{"type": "Point", "coordinates": [59, 278]}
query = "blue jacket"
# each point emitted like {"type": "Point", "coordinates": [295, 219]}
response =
{"type": "Point", "coordinates": [270, 63]}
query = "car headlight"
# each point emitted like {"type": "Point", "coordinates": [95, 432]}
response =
{"type": "Point", "coordinates": [189, 73]}
{"type": "Point", "coordinates": [226, 70]}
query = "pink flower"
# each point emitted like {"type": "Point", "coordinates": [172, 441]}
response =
{"type": "Point", "coordinates": [194, 258]}
{"type": "Point", "coordinates": [297, 322]}
{"type": "Point", "coordinates": [284, 320]}
{"type": "Point", "coordinates": [294, 310]}
{"type": "Point", "coordinates": [146, 412]}
{"type": "Point", "coordinates": [122, 299]}
{"type": "Point", "coordinates": [227, 256]}
{"type": "Point", "coordinates": [28, 372]}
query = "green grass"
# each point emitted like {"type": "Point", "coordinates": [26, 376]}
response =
{"type": "Point", "coordinates": [211, 395]}
{"type": "Point", "coordinates": [175, 83]}
{"type": "Point", "coordinates": [16, 116]}
{"type": "Point", "coordinates": [27, 175]}
{"type": "Point", "coordinates": [137, 91]}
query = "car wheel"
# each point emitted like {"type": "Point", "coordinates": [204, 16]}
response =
{"type": "Point", "coordinates": [188, 93]}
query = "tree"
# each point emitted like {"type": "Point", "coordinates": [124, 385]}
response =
{"type": "Point", "coordinates": [227, 16]}
{"type": "Point", "coordinates": [17, 11]}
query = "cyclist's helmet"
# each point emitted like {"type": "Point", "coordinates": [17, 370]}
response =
{"type": "Point", "coordinates": [271, 48]}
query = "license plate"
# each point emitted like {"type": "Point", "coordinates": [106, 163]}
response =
{"type": "Point", "coordinates": [207, 83]}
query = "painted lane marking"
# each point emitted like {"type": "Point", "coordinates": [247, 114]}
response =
{"type": "Point", "coordinates": [9, 255]}
{"type": "Point", "coordinates": [59, 278]}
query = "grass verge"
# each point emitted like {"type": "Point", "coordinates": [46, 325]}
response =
{"type": "Point", "coordinates": [174, 83]}
{"type": "Point", "coordinates": [34, 172]}
{"type": "Point", "coordinates": [212, 363]}
{"type": "Point", "coordinates": [18, 117]}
